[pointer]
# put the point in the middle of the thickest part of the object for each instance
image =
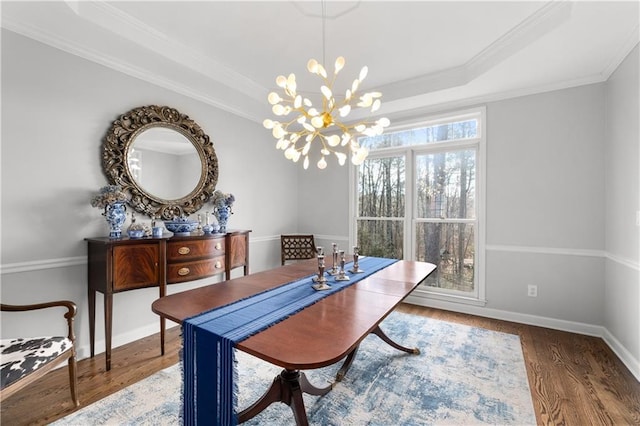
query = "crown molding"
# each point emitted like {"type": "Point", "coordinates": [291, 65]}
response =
{"type": "Point", "coordinates": [112, 19]}
{"type": "Point", "coordinates": [403, 98]}
{"type": "Point", "coordinates": [619, 56]}
{"type": "Point", "coordinates": [544, 20]}
{"type": "Point", "coordinates": [410, 108]}
{"type": "Point", "coordinates": [76, 49]}
{"type": "Point", "coordinates": [401, 108]}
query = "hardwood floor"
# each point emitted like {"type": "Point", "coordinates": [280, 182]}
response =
{"type": "Point", "coordinates": [574, 379]}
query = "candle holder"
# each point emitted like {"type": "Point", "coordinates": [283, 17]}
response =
{"type": "Point", "coordinates": [341, 273]}
{"type": "Point", "coordinates": [355, 269]}
{"type": "Point", "coordinates": [334, 266]}
{"type": "Point", "coordinates": [319, 251]}
{"type": "Point", "coordinates": [199, 230]}
{"type": "Point", "coordinates": [208, 228]}
{"type": "Point", "coordinates": [320, 280]}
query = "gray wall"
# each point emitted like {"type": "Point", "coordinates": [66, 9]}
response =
{"type": "Point", "coordinates": [56, 108]}
{"type": "Point", "coordinates": [560, 194]}
{"type": "Point", "coordinates": [545, 185]}
{"type": "Point", "coordinates": [622, 201]}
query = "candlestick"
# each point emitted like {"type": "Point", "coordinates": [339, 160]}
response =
{"type": "Point", "coordinates": [356, 268]}
{"type": "Point", "coordinates": [199, 228]}
{"type": "Point", "coordinates": [334, 267]}
{"type": "Point", "coordinates": [341, 274]}
{"type": "Point", "coordinates": [321, 280]}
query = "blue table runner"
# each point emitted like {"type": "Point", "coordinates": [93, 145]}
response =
{"type": "Point", "coordinates": [209, 339]}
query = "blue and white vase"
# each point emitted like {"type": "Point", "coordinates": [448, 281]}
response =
{"type": "Point", "coordinates": [222, 215]}
{"type": "Point", "coordinates": [116, 214]}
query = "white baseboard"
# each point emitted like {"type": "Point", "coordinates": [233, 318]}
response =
{"type": "Point", "coordinates": [625, 356]}
{"type": "Point", "coordinates": [556, 324]}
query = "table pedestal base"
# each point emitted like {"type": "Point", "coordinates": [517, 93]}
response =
{"type": "Point", "coordinates": [378, 332]}
{"type": "Point", "coordinates": [287, 387]}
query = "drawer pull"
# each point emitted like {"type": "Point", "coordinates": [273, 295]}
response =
{"type": "Point", "coordinates": [218, 265]}
{"type": "Point", "coordinates": [183, 271]}
{"type": "Point", "coordinates": [218, 246]}
{"type": "Point", "coordinates": [184, 250]}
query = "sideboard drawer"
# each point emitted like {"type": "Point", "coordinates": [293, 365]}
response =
{"type": "Point", "coordinates": [185, 250]}
{"type": "Point", "coordinates": [188, 271]}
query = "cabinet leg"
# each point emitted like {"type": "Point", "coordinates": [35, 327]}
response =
{"type": "Point", "coordinates": [108, 319]}
{"type": "Point", "coordinates": [92, 321]}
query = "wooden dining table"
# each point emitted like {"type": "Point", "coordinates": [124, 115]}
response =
{"type": "Point", "coordinates": [320, 335]}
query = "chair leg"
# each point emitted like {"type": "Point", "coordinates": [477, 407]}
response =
{"type": "Point", "coordinates": [73, 380]}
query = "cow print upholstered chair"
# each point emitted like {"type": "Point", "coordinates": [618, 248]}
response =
{"type": "Point", "coordinates": [24, 360]}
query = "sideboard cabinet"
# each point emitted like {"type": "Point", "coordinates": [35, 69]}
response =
{"type": "Point", "coordinates": [117, 265]}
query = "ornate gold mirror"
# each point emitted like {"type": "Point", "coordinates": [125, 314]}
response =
{"type": "Point", "coordinates": [162, 159]}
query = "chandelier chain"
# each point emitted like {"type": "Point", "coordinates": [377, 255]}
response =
{"type": "Point", "coordinates": [324, 37]}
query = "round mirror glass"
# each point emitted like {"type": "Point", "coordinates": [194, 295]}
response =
{"type": "Point", "coordinates": [164, 163]}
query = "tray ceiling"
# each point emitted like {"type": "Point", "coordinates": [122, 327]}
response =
{"type": "Point", "coordinates": [421, 54]}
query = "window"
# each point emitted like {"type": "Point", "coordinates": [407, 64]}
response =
{"type": "Point", "coordinates": [419, 196]}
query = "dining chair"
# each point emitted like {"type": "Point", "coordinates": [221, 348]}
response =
{"type": "Point", "coordinates": [297, 247]}
{"type": "Point", "coordinates": [23, 360]}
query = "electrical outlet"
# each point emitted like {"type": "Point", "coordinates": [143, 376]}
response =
{"type": "Point", "coordinates": [532, 290]}
{"type": "Point", "coordinates": [638, 218]}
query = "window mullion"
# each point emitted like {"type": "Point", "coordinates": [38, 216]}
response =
{"type": "Point", "coordinates": [409, 210]}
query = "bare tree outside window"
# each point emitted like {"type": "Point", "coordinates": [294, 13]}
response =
{"type": "Point", "coordinates": [445, 190]}
{"type": "Point", "coordinates": [381, 200]}
{"type": "Point", "coordinates": [442, 216]}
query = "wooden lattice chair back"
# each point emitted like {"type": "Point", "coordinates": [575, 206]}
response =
{"type": "Point", "coordinates": [297, 247]}
{"type": "Point", "coordinates": [24, 360]}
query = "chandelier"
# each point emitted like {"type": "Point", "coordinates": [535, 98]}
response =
{"type": "Point", "coordinates": [326, 125]}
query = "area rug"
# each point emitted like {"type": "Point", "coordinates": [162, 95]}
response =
{"type": "Point", "coordinates": [462, 376]}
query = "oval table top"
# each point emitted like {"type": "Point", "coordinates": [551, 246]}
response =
{"type": "Point", "coordinates": [320, 334]}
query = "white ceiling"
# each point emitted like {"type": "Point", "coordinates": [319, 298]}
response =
{"type": "Point", "coordinates": [421, 54]}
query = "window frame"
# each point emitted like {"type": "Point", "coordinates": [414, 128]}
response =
{"type": "Point", "coordinates": [410, 220]}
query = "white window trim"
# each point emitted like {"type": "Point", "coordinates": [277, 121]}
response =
{"type": "Point", "coordinates": [409, 152]}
